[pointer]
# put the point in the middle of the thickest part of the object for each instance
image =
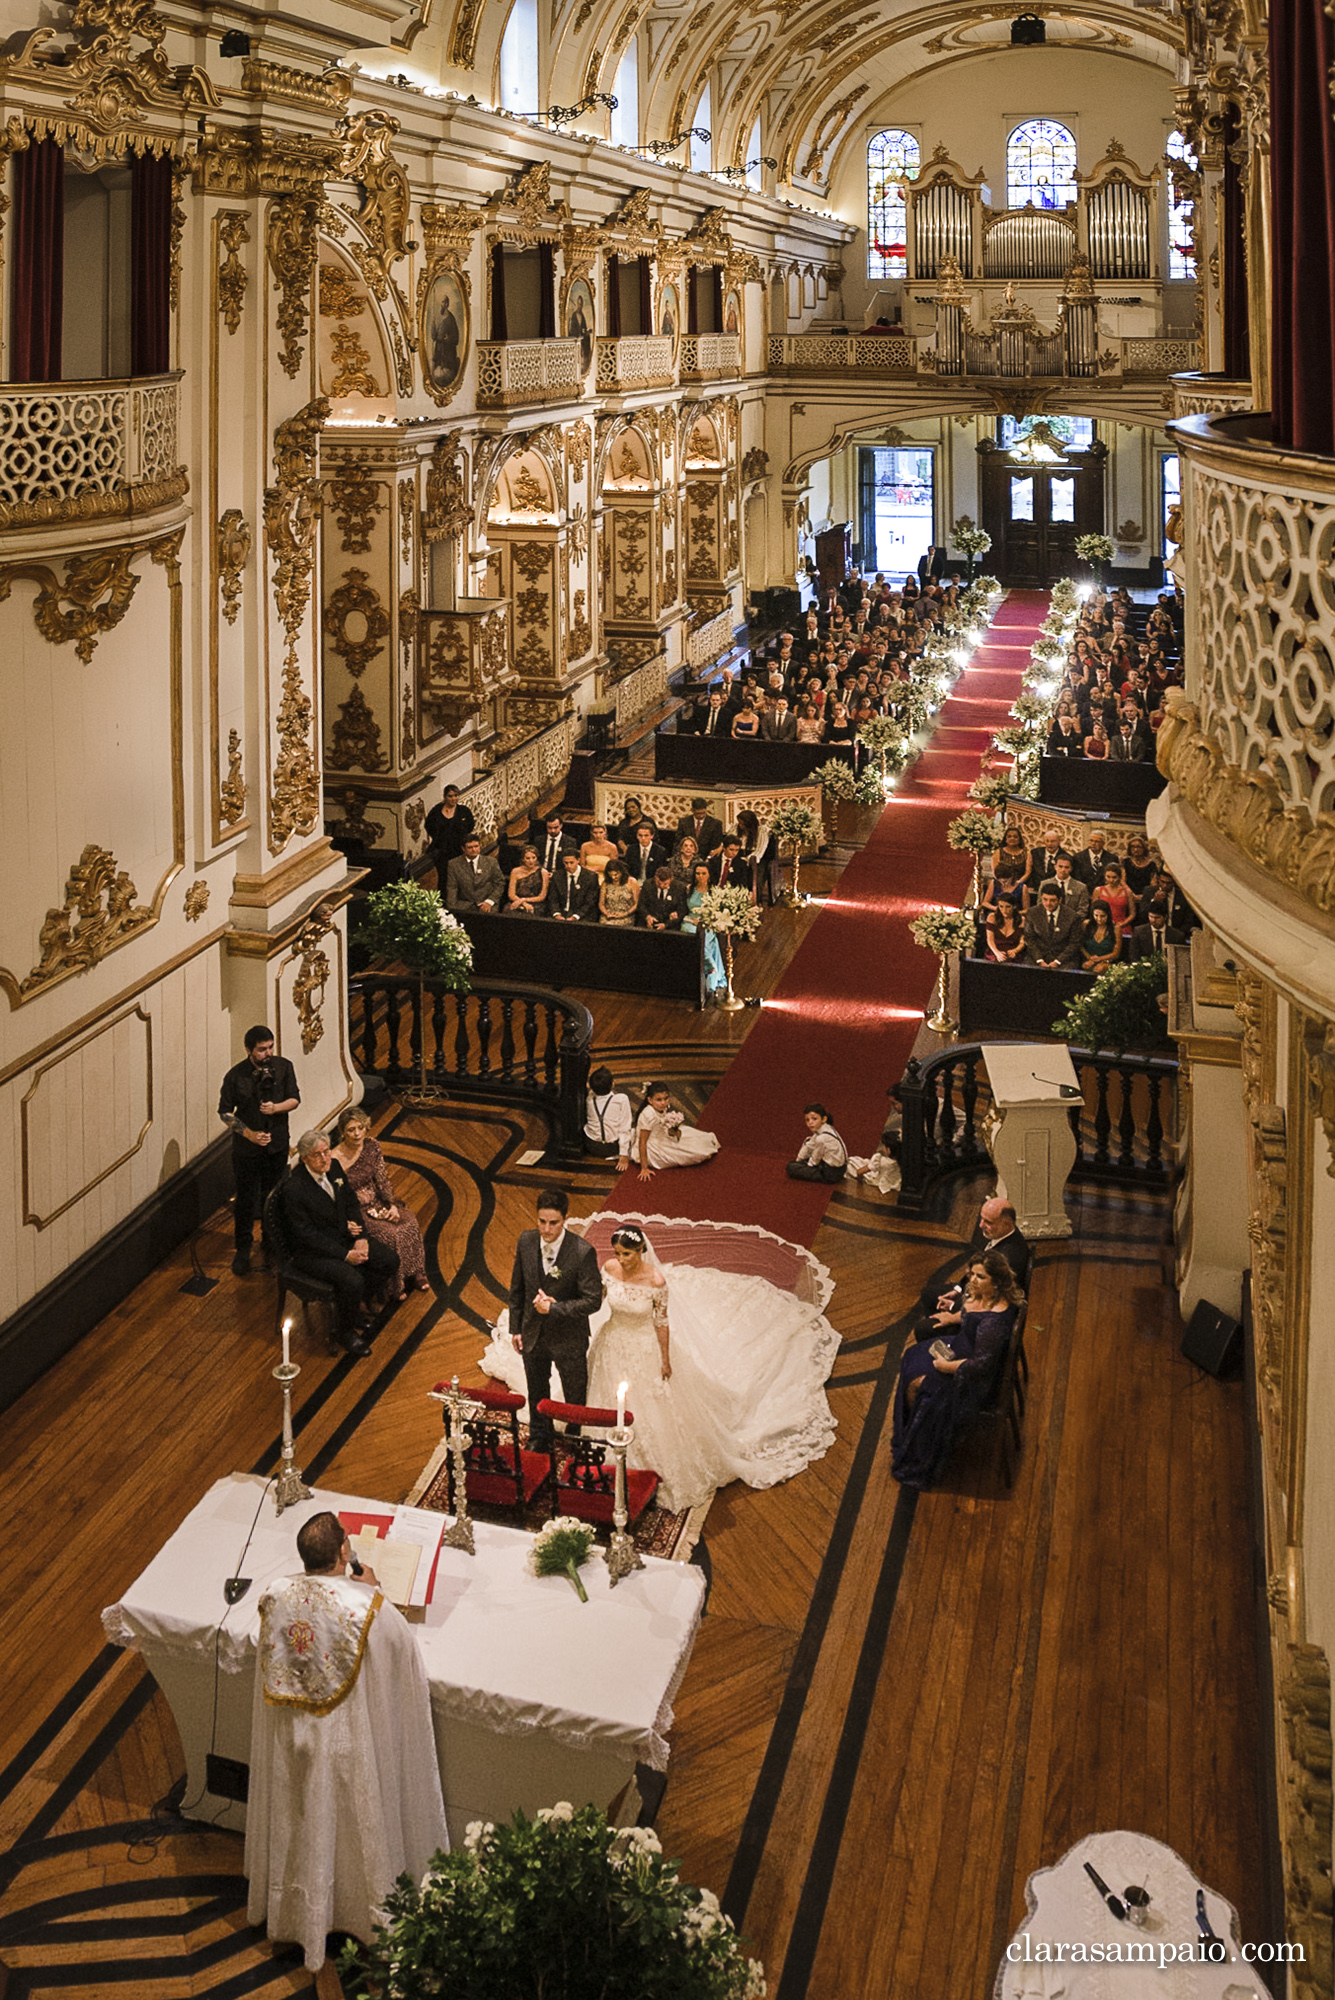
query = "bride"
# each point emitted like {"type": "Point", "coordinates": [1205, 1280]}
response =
{"type": "Point", "coordinates": [725, 1372]}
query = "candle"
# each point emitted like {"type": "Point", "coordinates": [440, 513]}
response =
{"type": "Point", "coordinates": [287, 1336]}
{"type": "Point", "coordinates": [621, 1405]}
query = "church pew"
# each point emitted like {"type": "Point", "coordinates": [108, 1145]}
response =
{"type": "Point", "coordinates": [608, 957]}
{"type": "Point", "coordinates": [1014, 999]}
{"type": "Point", "coordinates": [1098, 784]}
{"type": "Point", "coordinates": [719, 760]}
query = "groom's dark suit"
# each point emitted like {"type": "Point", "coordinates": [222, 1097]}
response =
{"type": "Point", "coordinates": [561, 1335]}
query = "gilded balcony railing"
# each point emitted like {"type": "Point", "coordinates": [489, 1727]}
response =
{"type": "Point", "coordinates": [707, 356]}
{"type": "Point", "coordinates": [637, 361]}
{"type": "Point", "coordinates": [877, 353]}
{"type": "Point", "coordinates": [511, 372]}
{"type": "Point", "coordinates": [75, 451]}
{"type": "Point", "coordinates": [1197, 395]}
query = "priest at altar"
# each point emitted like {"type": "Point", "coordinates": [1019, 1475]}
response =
{"type": "Point", "coordinates": [344, 1785]}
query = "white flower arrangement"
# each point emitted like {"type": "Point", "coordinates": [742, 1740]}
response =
{"type": "Point", "coordinates": [883, 736]}
{"type": "Point", "coordinates": [943, 930]}
{"type": "Point", "coordinates": [1096, 549]}
{"type": "Point", "coordinates": [973, 832]}
{"type": "Point", "coordinates": [992, 793]}
{"type": "Point", "coordinates": [970, 540]}
{"type": "Point", "coordinates": [729, 912]}
{"type": "Point", "coordinates": [795, 827]}
{"type": "Point", "coordinates": [836, 779]}
{"type": "Point", "coordinates": [560, 1549]}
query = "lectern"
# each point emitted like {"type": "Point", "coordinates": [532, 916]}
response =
{"type": "Point", "coordinates": [1028, 1130]}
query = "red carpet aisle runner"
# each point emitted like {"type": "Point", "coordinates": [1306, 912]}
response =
{"type": "Point", "coordinates": [842, 1022]}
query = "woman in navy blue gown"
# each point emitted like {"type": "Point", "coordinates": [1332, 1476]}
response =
{"type": "Point", "coordinates": [934, 1395]}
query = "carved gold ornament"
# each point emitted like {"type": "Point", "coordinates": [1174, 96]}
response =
{"type": "Point", "coordinates": [355, 826]}
{"type": "Point", "coordinates": [108, 86]}
{"type": "Point", "coordinates": [196, 901]}
{"type": "Point", "coordinates": [755, 465]}
{"type": "Point", "coordinates": [97, 590]}
{"type": "Point", "coordinates": [408, 736]}
{"type": "Point", "coordinates": [355, 498]}
{"type": "Point", "coordinates": [100, 913]}
{"type": "Point", "coordinates": [447, 504]}
{"type": "Point", "coordinates": [292, 248]}
{"type": "Point", "coordinates": [355, 742]}
{"type": "Point", "coordinates": [232, 791]}
{"type": "Point", "coordinates": [328, 92]}
{"type": "Point", "coordinates": [356, 599]}
{"type": "Point", "coordinates": [313, 969]}
{"type": "Point", "coordinates": [368, 161]}
{"type": "Point", "coordinates": [414, 817]}
{"type": "Point", "coordinates": [233, 276]}
{"type": "Point", "coordinates": [291, 518]}
{"type": "Point", "coordinates": [233, 551]}
{"type": "Point", "coordinates": [526, 495]}
{"type": "Point", "coordinates": [407, 507]}
{"type": "Point", "coordinates": [352, 365]}
{"type": "Point", "coordinates": [338, 295]}
{"type": "Point", "coordinates": [581, 637]}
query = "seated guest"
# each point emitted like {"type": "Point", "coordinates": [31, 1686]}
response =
{"type": "Point", "coordinates": [387, 1221]}
{"type": "Point", "coordinates": [1010, 870]}
{"type": "Point", "coordinates": [473, 880]}
{"type": "Point", "coordinates": [731, 869]}
{"type": "Point", "coordinates": [1051, 934]}
{"type": "Point", "coordinates": [822, 1156]}
{"type": "Point", "coordinates": [661, 904]}
{"type": "Point", "coordinates": [1103, 940]}
{"type": "Point", "coordinates": [608, 1121]}
{"type": "Point", "coordinates": [704, 827]}
{"type": "Point", "coordinates": [1043, 860]}
{"type": "Point", "coordinates": [617, 895]}
{"type": "Point", "coordinates": [1155, 934]}
{"type": "Point", "coordinates": [746, 723]}
{"type": "Point", "coordinates": [1113, 891]}
{"type": "Point", "coordinates": [1096, 743]}
{"type": "Point", "coordinates": [810, 728]}
{"type": "Point", "coordinates": [663, 1139]}
{"type": "Point", "coordinates": [839, 729]}
{"type": "Point", "coordinates": [1164, 889]}
{"type": "Point", "coordinates": [713, 720]}
{"type": "Point", "coordinates": [777, 725]}
{"type": "Point", "coordinates": [598, 850]}
{"type": "Point", "coordinates": [327, 1238]}
{"type": "Point", "coordinates": [643, 854]}
{"type": "Point", "coordinates": [528, 886]}
{"type": "Point", "coordinates": [684, 857]}
{"type": "Point", "coordinates": [997, 1230]}
{"type": "Point", "coordinates": [937, 1393]}
{"type": "Point", "coordinates": [1003, 934]}
{"type": "Point", "coordinates": [573, 895]}
{"type": "Point", "coordinates": [1128, 746]}
{"type": "Point", "coordinates": [1139, 867]}
{"type": "Point", "coordinates": [551, 840]}
{"type": "Point", "coordinates": [1088, 863]}
{"type": "Point", "coordinates": [1074, 894]}
{"type": "Point", "coordinates": [1065, 739]}
{"type": "Point", "coordinates": [631, 821]}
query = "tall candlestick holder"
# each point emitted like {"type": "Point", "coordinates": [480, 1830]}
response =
{"type": "Point", "coordinates": [621, 1554]}
{"type": "Point", "coordinates": [289, 1487]}
{"type": "Point", "coordinates": [460, 1536]}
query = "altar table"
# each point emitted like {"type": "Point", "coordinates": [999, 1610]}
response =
{"type": "Point", "coordinates": [535, 1697]}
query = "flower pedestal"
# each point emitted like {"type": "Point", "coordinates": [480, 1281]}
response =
{"type": "Point", "coordinates": [729, 1003]}
{"type": "Point", "coordinates": [792, 895]}
{"type": "Point", "coordinates": [939, 1020]}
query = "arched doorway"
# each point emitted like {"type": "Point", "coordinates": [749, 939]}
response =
{"type": "Point", "coordinates": [1041, 485]}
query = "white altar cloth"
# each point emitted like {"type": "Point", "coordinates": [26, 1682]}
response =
{"type": "Point", "coordinates": [535, 1697]}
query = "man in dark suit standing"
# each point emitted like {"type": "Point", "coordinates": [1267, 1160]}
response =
{"type": "Point", "coordinates": [573, 895]}
{"type": "Point", "coordinates": [703, 827]}
{"type": "Point", "coordinates": [326, 1239]}
{"type": "Point", "coordinates": [554, 1288]}
{"type": "Point", "coordinates": [257, 1094]}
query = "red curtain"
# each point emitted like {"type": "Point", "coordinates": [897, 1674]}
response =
{"type": "Point", "coordinates": [614, 297]}
{"type": "Point", "coordinates": [37, 294]}
{"type": "Point", "coordinates": [500, 329]}
{"type": "Point", "coordinates": [1302, 185]}
{"type": "Point", "coordinates": [1237, 337]}
{"type": "Point", "coordinates": [646, 297]}
{"type": "Point", "coordinates": [546, 291]}
{"type": "Point", "coordinates": [693, 299]}
{"type": "Point", "coordinates": [716, 286]}
{"type": "Point", "coordinates": [150, 263]}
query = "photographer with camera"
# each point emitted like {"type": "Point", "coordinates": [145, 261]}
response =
{"type": "Point", "coordinates": [257, 1094]}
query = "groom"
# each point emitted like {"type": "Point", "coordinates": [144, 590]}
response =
{"type": "Point", "coordinates": [554, 1287]}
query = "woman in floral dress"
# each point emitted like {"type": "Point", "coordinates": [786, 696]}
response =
{"type": "Point", "coordinates": [387, 1220]}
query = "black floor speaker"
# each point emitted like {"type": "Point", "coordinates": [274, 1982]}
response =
{"type": "Point", "coordinates": [1213, 1340]}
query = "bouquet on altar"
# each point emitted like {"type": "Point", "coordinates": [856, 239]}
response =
{"type": "Point", "coordinates": [943, 930]}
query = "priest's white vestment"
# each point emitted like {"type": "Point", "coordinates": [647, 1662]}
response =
{"type": "Point", "coordinates": [344, 1780]}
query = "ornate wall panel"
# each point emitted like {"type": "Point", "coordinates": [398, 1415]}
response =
{"type": "Point", "coordinates": [84, 1114]}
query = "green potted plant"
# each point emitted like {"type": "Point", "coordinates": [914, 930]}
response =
{"type": "Point", "coordinates": [559, 1907]}
{"type": "Point", "coordinates": [408, 925]}
{"type": "Point", "coordinates": [1121, 1009]}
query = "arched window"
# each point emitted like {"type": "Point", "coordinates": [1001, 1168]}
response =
{"type": "Point", "coordinates": [1040, 165]}
{"type": "Point", "coordinates": [519, 59]}
{"type": "Point", "coordinates": [892, 158]}
{"type": "Point", "coordinates": [1181, 214]}
{"type": "Point", "coordinates": [626, 90]}
{"type": "Point", "coordinates": [702, 150]}
{"type": "Point", "coordinates": [754, 173]}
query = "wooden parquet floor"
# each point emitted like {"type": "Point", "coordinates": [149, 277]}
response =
{"type": "Point", "coordinates": [897, 1708]}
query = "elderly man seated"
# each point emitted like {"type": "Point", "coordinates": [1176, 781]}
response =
{"type": "Point", "coordinates": [326, 1239]}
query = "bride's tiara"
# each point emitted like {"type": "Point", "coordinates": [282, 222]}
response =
{"type": "Point", "coordinates": [633, 1238]}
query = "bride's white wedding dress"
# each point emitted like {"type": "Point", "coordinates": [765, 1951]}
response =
{"type": "Point", "coordinates": [746, 1399]}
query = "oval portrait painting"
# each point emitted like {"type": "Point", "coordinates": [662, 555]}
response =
{"type": "Point", "coordinates": [444, 331]}
{"type": "Point", "coordinates": [579, 320]}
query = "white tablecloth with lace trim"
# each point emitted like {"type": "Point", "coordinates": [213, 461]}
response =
{"type": "Point", "coordinates": [535, 1696]}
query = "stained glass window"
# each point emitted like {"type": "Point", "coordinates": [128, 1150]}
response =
{"type": "Point", "coordinates": [1181, 214]}
{"type": "Point", "coordinates": [1040, 165]}
{"type": "Point", "coordinates": [892, 158]}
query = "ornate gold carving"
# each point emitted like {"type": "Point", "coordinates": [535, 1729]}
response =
{"type": "Point", "coordinates": [581, 637]}
{"type": "Point", "coordinates": [529, 194]}
{"type": "Point", "coordinates": [313, 970]}
{"type": "Point", "coordinates": [1319, 1052]}
{"type": "Point", "coordinates": [232, 546]}
{"type": "Point", "coordinates": [1305, 1809]}
{"type": "Point", "coordinates": [355, 826]}
{"type": "Point", "coordinates": [355, 742]}
{"type": "Point", "coordinates": [1248, 808]}
{"type": "Point", "coordinates": [414, 817]}
{"type": "Point", "coordinates": [98, 589]}
{"type": "Point", "coordinates": [526, 495]}
{"type": "Point", "coordinates": [755, 465]}
{"type": "Point", "coordinates": [447, 504]}
{"type": "Point", "coordinates": [339, 297]}
{"type": "Point", "coordinates": [196, 901]}
{"type": "Point", "coordinates": [577, 449]}
{"type": "Point", "coordinates": [408, 737]}
{"type": "Point", "coordinates": [233, 276]}
{"type": "Point", "coordinates": [531, 559]}
{"type": "Point", "coordinates": [180, 175]}
{"type": "Point", "coordinates": [407, 505]}
{"type": "Point", "coordinates": [108, 85]}
{"type": "Point", "coordinates": [825, 131]}
{"type": "Point", "coordinates": [352, 364]}
{"type": "Point", "coordinates": [256, 161]}
{"type": "Point", "coordinates": [291, 517]}
{"type": "Point", "coordinates": [464, 39]}
{"type": "Point", "coordinates": [669, 576]}
{"type": "Point", "coordinates": [329, 92]}
{"type": "Point", "coordinates": [355, 598]}
{"type": "Point", "coordinates": [448, 230]}
{"type": "Point", "coordinates": [293, 250]}
{"type": "Point", "coordinates": [99, 914]}
{"type": "Point", "coordinates": [232, 790]}
{"type": "Point", "coordinates": [368, 161]}
{"type": "Point", "coordinates": [146, 497]}
{"type": "Point", "coordinates": [355, 498]}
